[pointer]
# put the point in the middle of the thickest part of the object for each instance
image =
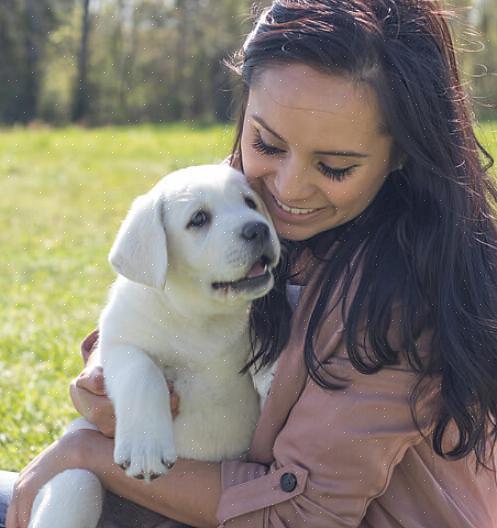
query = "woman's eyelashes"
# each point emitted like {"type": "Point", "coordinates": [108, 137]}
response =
{"type": "Point", "coordinates": [336, 174]}
{"type": "Point", "coordinates": [264, 148]}
{"type": "Point", "coordinates": [330, 172]}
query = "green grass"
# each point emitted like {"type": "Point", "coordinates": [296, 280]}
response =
{"type": "Point", "coordinates": [63, 194]}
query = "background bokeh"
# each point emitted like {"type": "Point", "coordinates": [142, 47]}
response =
{"type": "Point", "coordinates": [127, 61]}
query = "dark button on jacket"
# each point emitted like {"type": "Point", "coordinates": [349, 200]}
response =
{"type": "Point", "coordinates": [288, 482]}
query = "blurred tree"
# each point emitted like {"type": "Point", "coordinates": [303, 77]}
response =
{"type": "Point", "coordinates": [24, 26]}
{"type": "Point", "coordinates": [157, 60]}
{"type": "Point", "coordinates": [38, 20]}
{"type": "Point", "coordinates": [81, 101]}
{"type": "Point", "coordinates": [484, 70]}
{"type": "Point", "coordinates": [162, 60]}
{"type": "Point", "coordinates": [475, 27]}
{"type": "Point", "coordinates": [10, 46]}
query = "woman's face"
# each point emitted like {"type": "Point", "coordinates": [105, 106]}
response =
{"type": "Point", "coordinates": [313, 146]}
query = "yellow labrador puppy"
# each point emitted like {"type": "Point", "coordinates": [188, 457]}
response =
{"type": "Point", "coordinates": [191, 256]}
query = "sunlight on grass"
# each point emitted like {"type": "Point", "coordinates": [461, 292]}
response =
{"type": "Point", "coordinates": [63, 195]}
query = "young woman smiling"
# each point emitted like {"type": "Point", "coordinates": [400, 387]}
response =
{"type": "Point", "coordinates": [381, 413]}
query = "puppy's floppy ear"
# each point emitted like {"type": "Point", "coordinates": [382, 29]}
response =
{"type": "Point", "coordinates": [140, 251]}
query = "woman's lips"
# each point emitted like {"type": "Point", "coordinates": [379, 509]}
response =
{"type": "Point", "coordinates": [293, 214]}
{"type": "Point", "coordinates": [294, 210]}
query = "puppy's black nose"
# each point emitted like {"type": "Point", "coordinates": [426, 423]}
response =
{"type": "Point", "coordinates": [255, 231]}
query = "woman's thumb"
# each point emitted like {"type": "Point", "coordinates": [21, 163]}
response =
{"type": "Point", "coordinates": [92, 379]}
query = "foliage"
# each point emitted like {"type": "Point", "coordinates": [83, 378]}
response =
{"type": "Point", "coordinates": [161, 60]}
{"type": "Point", "coordinates": [148, 60]}
{"type": "Point", "coordinates": [475, 29]}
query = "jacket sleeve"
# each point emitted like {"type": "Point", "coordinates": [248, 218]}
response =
{"type": "Point", "coordinates": [335, 454]}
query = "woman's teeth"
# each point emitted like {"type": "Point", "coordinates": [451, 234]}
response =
{"type": "Point", "coordinates": [293, 210]}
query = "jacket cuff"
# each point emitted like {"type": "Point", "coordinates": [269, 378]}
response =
{"type": "Point", "coordinates": [250, 488]}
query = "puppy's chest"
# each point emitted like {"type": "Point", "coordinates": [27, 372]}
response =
{"type": "Point", "coordinates": [263, 380]}
{"type": "Point", "coordinates": [193, 349]}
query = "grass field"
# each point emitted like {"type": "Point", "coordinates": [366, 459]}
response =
{"type": "Point", "coordinates": [62, 196]}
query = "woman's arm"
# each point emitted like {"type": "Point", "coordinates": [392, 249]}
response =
{"type": "Point", "coordinates": [187, 486]}
{"type": "Point", "coordinates": [88, 393]}
{"type": "Point", "coordinates": [189, 493]}
{"type": "Point", "coordinates": [53, 460]}
{"type": "Point", "coordinates": [89, 396]}
{"type": "Point", "coordinates": [90, 400]}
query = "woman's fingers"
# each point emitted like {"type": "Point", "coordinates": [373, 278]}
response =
{"type": "Point", "coordinates": [95, 408]}
{"type": "Point", "coordinates": [62, 454]}
{"type": "Point", "coordinates": [173, 399]}
{"type": "Point", "coordinates": [90, 400]}
{"type": "Point", "coordinates": [88, 345]}
{"type": "Point", "coordinates": [11, 518]}
{"type": "Point", "coordinates": [23, 496]}
{"type": "Point", "coordinates": [92, 380]}
{"type": "Point", "coordinates": [25, 503]}
{"type": "Point", "coordinates": [16, 516]}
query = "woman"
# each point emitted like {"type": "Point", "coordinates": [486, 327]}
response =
{"type": "Point", "coordinates": [381, 413]}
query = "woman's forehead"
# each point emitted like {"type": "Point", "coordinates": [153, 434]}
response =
{"type": "Point", "coordinates": [301, 101]}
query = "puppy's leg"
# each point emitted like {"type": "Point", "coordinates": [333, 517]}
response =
{"type": "Point", "coordinates": [72, 499]}
{"type": "Point", "coordinates": [144, 442]}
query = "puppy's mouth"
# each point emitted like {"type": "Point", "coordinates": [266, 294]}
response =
{"type": "Point", "coordinates": [258, 275]}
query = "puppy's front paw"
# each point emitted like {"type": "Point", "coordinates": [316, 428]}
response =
{"type": "Point", "coordinates": [145, 456]}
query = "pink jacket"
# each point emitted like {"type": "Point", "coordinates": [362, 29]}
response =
{"type": "Point", "coordinates": [348, 458]}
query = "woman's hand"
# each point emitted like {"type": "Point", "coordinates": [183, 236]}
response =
{"type": "Point", "coordinates": [90, 399]}
{"type": "Point", "coordinates": [61, 455]}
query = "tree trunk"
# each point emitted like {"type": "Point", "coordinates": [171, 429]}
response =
{"type": "Point", "coordinates": [81, 95]}
{"type": "Point", "coordinates": [32, 80]}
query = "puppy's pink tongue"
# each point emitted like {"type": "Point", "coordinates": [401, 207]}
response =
{"type": "Point", "coordinates": [256, 270]}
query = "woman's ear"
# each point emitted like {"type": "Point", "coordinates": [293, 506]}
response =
{"type": "Point", "coordinates": [139, 252]}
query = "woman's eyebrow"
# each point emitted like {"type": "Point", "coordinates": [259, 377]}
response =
{"type": "Point", "coordinates": [341, 153]}
{"type": "Point", "coordinates": [266, 126]}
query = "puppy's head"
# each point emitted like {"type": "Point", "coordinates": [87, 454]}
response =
{"type": "Point", "coordinates": [200, 233]}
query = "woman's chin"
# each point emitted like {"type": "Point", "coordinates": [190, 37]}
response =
{"type": "Point", "coordinates": [294, 233]}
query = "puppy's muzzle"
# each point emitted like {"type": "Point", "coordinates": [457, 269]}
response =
{"type": "Point", "coordinates": [255, 232]}
{"type": "Point", "coordinates": [264, 256]}
{"type": "Point", "coordinates": [258, 237]}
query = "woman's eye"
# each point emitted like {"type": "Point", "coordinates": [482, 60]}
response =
{"type": "Point", "coordinates": [263, 148]}
{"type": "Point", "coordinates": [250, 203]}
{"type": "Point", "coordinates": [198, 219]}
{"type": "Point", "coordinates": [336, 174]}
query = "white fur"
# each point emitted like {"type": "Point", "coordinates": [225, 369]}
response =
{"type": "Point", "coordinates": [164, 318]}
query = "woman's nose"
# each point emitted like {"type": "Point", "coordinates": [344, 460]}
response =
{"type": "Point", "coordinates": [292, 182]}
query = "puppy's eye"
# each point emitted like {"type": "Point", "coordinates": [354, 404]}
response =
{"type": "Point", "coordinates": [250, 203]}
{"type": "Point", "coordinates": [198, 219]}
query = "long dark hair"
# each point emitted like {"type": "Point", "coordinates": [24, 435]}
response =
{"type": "Point", "coordinates": [427, 243]}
